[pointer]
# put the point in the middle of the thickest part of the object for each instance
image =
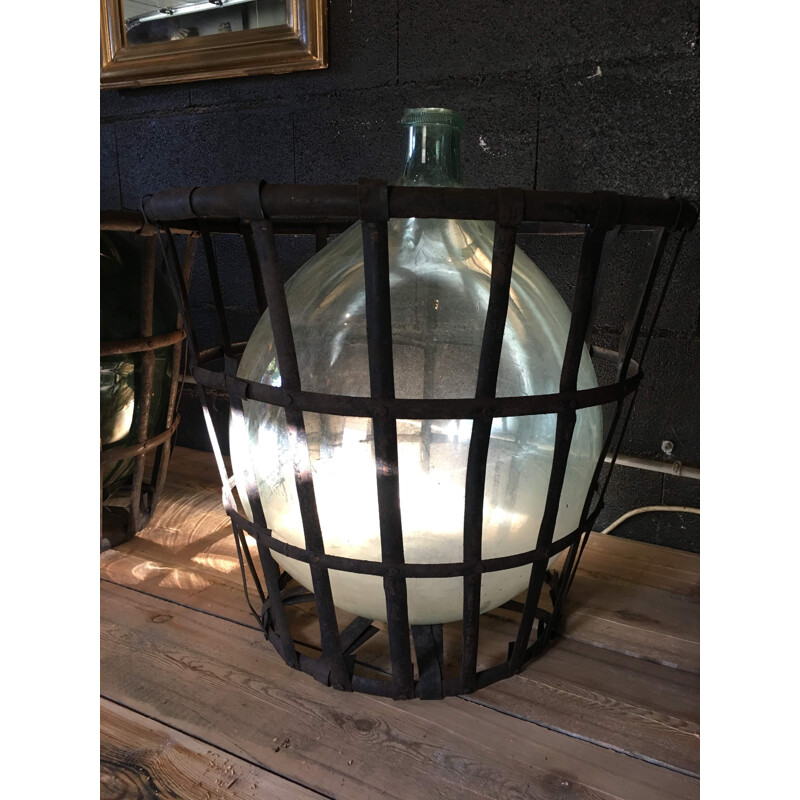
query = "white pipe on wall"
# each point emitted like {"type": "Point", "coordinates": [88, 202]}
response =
{"type": "Point", "coordinates": [673, 468]}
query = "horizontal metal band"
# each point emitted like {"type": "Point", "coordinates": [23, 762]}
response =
{"type": "Point", "coordinates": [173, 203]}
{"type": "Point", "coordinates": [130, 221]}
{"type": "Point", "coordinates": [309, 225]}
{"type": "Point", "coordinates": [118, 453]}
{"type": "Point", "coordinates": [402, 408]}
{"type": "Point", "coordinates": [124, 346]}
{"type": "Point", "coordinates": [405, 570]}
{"type": "Point", "coordinates": [237, 348]}
{"type": "Point", "coordinates": [342, 202]}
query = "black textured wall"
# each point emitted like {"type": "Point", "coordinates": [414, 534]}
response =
{"type": "Point", "coordinates": [571, 95]}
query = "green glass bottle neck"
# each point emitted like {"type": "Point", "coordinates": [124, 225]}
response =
{"type": "Point", "coordinates": [434, 156]}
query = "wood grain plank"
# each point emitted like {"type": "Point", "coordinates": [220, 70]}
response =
{"type": "Point", "coordinates": [218, 681]}
{"type": "Point", "coordinates": [141, 758]}
{"type": "Point", "coordinates": [633, 640]}
{"type": "Point", "coordinates": [630, 705]}
{"type": "Point", "coordinates": [626, 561]}
{"type": "Point", "coordinates": [177, 584]}
{"type": "Point", "coordinates": [636, 620]}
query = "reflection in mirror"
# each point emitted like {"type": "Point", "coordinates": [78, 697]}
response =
{"type": "Point", "coordinates": [148, 21]}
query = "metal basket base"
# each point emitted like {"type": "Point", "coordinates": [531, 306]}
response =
{"type": "Point", "coordinates": [429, 641]}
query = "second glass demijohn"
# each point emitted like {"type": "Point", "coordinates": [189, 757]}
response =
{"type": "Point", "coordinates": [121, 267]}
{"type": "Point", "coordinates": [439, 277]}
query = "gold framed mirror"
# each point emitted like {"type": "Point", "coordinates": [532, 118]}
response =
{"type": "Point", "coordinates": [148, 42]}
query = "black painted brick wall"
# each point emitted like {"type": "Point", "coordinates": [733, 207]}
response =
{"type": "Point", "coordinates": [579, 95]}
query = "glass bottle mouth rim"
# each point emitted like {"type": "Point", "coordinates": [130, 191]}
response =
{"type": "Point", "coordinates": [432, 116]}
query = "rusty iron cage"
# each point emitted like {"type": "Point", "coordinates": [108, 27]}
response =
{"type": "Point", "coordinates": [131, 507]}
{"type": "Point", "coordinates": [258, 212]}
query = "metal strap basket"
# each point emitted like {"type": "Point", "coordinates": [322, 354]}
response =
{"type": "Point", "coordinates": [131, 509]}
{"type": "Point", "coordinates": [259, 212]}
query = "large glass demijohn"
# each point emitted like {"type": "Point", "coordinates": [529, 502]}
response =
{"type": "Point", "coordinates": [439, 278]}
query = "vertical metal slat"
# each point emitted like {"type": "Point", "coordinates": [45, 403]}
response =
{"type": "Point", "coordinates": [511, 207]}
{"type": "Point", "coordinates": [252, 258]}
{"type": "Point", "coordinates": [640, 297]}
{"type": "Point", "coordinates": [180, 282]}
{"type": "Point", "coordinates": [428, 645]}
{"type": "Point", "coordinates": [145, 388]}
{"type": "Point", "coordinates": [164, 452]}
{"type": "Point", "coordinates": [264, 240]}
{"type": "Point", "coordinates": [216, 287]}
{"type": "Point", "coordinates": [608, 246]}
{"type": "Point", "coordinates": [374, 206]}
{"type": "Point", "coordinates": [591, 254]}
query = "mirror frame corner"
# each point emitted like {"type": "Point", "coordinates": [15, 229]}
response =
{"type": "Point", "coordinates": [302, 44]}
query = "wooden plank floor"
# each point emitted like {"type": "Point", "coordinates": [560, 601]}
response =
{"type": "Point", "coordinates": [196, 704]}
